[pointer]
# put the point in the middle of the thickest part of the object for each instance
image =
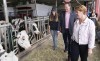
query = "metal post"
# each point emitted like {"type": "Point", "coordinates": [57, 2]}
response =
{"type": "Point", "coordinates": [25, 18]}
{"type": "Point", "coordinates": [5, 11]}
{"type": "Point", "coordinates": [92, 3]}
{"type": "Point", "coordinates": [34, 1]}
{"type": "Point", "coordinates": [56, 5]}
{"type": "Point", "coordinates": [35, 8]}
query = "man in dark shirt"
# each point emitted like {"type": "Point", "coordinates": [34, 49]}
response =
{"type": "Point", "coordinates": [67, 19]}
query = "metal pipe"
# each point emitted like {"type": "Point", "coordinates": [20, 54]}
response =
{"type": "Point", "coordinates": [35, 9]}
{"type": "Point", "coordinates": [93, 4]}
{"type": "Point", "coordinates": [5, 11]}
{"type": "Point", "coordinates": [26, 28]}
{"type": "Point", "coordinates": [56, 5]}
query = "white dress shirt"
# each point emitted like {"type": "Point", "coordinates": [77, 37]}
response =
{"type": "Point", "coordinates": [84, 33]}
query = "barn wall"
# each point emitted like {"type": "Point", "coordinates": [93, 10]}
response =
{"type": "Point", "coordinates": [43, 10]}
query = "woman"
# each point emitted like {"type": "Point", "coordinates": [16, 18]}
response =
{"type": "Point", "coordinates": [93, 16]}
{"type": "Point", "coordinates": [54, 27]}
{"type": "Point", "coordinates": [83, 35]}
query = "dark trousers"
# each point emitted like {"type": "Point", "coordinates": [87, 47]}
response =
{"type": "Point", "coordinates": [77, 50]}
{"type": "Point", "coordinates": [67, 40]}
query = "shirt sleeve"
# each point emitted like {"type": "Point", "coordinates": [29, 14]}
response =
{"type": "Point", "coordinates": [91, 36]}
{"type": "Point", "coordinates": [60, 21]}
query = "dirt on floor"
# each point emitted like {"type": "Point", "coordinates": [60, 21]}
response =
{"type": "Point", "coordinates": [45, 52]}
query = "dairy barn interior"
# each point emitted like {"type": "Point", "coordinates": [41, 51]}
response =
{"type": "Point", "coordinates": [32, 16]}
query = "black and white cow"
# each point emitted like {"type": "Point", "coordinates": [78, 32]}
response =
{"type": "Point", "coordinates": [4, 56]}
{"type": "Point", "coordinates": [23, 38]}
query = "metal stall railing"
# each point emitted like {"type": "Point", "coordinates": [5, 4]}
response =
{"type": "Point", "coordinates": [8, 33]}
{"type": "Point", "coordinates": [35, 39]}
{"type": "Point", "coordinates": [6, 38]}
{"type": "Point", "coordinates": [42, 25]}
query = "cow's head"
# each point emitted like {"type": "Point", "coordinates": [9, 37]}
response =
{"type": "Point", "coordinates": [35, 28]}
{"type": "Point", "coordinates": [23, 39]}
{"type": "Point", "coordinates": [21, 26]}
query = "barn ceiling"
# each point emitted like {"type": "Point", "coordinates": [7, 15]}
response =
{"type": "Point", "coordinates": [49, 2]}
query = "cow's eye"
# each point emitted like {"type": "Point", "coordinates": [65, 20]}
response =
{"type": "Point", "coordinates": [5, 55]}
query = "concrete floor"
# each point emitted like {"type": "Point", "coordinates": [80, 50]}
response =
{"type": "Point", "coordinates": [45, 52]}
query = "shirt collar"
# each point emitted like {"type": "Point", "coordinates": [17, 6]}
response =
{"type": "Point", "coordinates": [84, 22]}
{"type": "Point", "coordinates": [68, 12]}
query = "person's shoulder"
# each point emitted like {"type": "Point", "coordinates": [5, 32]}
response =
{"type": "Point", "coordinates": [90, 21]}
{"type": "Point", "coordinates": [62, 12]}
{"type": "Point", "coordinates": [73, 13]}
